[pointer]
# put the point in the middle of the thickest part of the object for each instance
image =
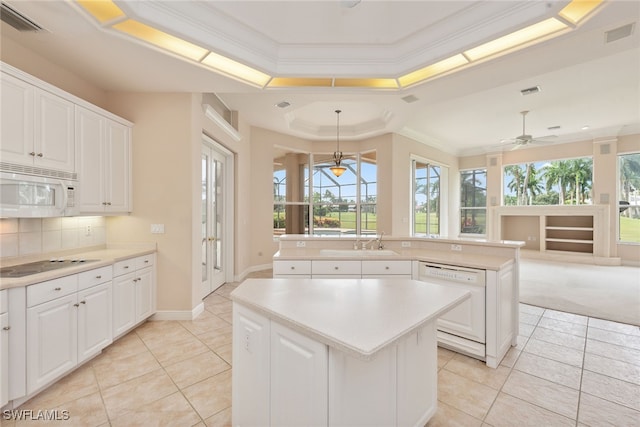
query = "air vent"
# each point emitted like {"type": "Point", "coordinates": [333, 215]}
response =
{"type": "Point", "coordinates": [409, 99]}
{"type": "Point", "coordinates": [16, 19]}
{"type": "Point", "coordinates": [618, 33]}
{"type": "Point", "coordinates": [283, 104]}
{"type": "Point", "coordinates": [530, 90]}
{"type": "Point", "coordinates": [553, 127]}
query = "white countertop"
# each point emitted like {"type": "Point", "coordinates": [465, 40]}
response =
{"type": "Point", "coordinates": [484, 262]}
{"type": "Point", "coordinates": [105, 256]}
{"type": "Point", "coordinates": [356, 316]}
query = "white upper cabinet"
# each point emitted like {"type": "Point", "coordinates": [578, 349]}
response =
{"type": "Point", "coordinates": [37, 126]}
{"type": "Point", "coordinates": [104, 171]}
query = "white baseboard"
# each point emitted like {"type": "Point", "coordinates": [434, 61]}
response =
{"type": "Point", "coordinates": [178, 315]}
{"type": "Point", "coordinates": [245, 273]}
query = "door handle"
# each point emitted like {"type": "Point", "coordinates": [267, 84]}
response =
{"type": "Point", "coordinates": [211, 239]}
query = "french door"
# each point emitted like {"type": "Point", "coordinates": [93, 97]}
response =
{"type": "Point", "coordinates": [214, 217]}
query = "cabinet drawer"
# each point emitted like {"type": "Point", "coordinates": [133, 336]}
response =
{"type": "Point", "coordinates": [4, 301]}
{"type": "Point", "coordinates": [90, 278]}
{"type": "Point", "coordinates": [52, 289]}
{"type": "Point", "coordinates": [124, 267]}
{"type": "Point", "coordinates": [144, 261]}
{"type": "Point", "coordinates": [336, 267]}
{"type": "Point", "coordinates": [383, 267]}
{"type": "Point", "coordinates": [283, 268]}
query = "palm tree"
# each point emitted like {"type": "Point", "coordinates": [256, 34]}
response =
{"type": "Point", "coordinates": [581, 172]}
{"type": "Point", "coordinates": [516, 183]}
{"type": "Point", "coordinates": [558, 172]}
{"type": "Point", "coordinates": [629, 176]}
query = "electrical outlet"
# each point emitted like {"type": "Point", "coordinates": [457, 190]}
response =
{"type": "Point", "coordinates": [457, 248]}
{"type": "Point", "coordinates": [87, 230]}
{"type": "Point", "coordinates": [300, 244]}
{"type": "Point", "coordinates": [406, 244]}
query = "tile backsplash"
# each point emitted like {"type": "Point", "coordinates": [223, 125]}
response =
{"type": "Point", "coordinates": [31, 236]}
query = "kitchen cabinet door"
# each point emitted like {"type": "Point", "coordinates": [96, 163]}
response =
{"type": "Point", "coordinates": [250, 388]}
{"type": "Point", "coordinates": [54, 138]}
{"type": "Point", "coordinates": [299, 381]}
{"type": "Point", "coordinates": [124, 303]}
{"type": "Point", "coordinates": [94, 320]}
{"type": "Point", "coordinates": [16, 116]}
{"type": "Point", "coordinates": [105, 163]}
{"type": "Point", "coordinates": [144, 293]}
{"type": "Point", "coordinates": [117, 158]}
{"type": "Point", "coordinates": [52, 336]}
{"type": "Point", "coordinates": [91, 168]}
{"type": "Point", "coordinates": [4, 359]}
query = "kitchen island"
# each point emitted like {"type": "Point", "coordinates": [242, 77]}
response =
{"type": "Point", "coordinates": [336, 352]}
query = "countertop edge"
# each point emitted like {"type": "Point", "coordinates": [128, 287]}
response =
{"type": "Point", "coordinates": [107, 256]}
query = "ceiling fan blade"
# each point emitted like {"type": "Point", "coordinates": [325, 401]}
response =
{"type": "Point", "coordinates": [545, 137]}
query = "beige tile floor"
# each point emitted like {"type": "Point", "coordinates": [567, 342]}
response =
{"type": "Point", "coordinates": [566, 370]}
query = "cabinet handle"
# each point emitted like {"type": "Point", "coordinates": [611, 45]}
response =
{"type": "Point", "coordinates": [293, 268]}
{"type": "Point", "coordinates": [146, 261]}
{"type": "Point", "coordinates": [39, 154]}
{"type": "Point", "coordinates": [83, 302]}
{"type": "Point", "coordinates": [104, 203]}
{"type": "Point", "coordinates": [125, 267]}
{"type": "Point", "coordinates": [6, 328]}
{"type": "Point", "coordinates": [57, 289]}
{"type": "Point", "coordinates": [336, 268]}
{"type": "Point", "coordinates": [33, 153]}
{"type": "Point", "coordinates": [108, 203]}
{"type": "Point", "coordinates": [387, 267]}
{"type": "Point", "coordinates": [76, 305]}
{"type": "Point", "coordinates": [98, 277]}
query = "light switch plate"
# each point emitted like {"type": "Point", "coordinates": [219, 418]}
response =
{"type": "Point", "coordinates": [157, 228]}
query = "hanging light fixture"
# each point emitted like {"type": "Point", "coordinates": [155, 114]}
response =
{"type": "Point", "coordinates": [337, 169]}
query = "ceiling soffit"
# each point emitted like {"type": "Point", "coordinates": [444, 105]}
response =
{"type": "Point", "coordinates": [444, 28]}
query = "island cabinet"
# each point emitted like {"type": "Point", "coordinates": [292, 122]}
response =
{"type": "Point", "coordinates": [342, 269]}
{"type": "Point", "coordinates": [299, 359]}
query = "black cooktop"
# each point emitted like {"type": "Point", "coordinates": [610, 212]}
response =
{"type": "Point", "coordinates": [36, 267]}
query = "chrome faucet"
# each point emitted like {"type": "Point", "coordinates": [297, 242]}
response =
{"type": "Point", "coordinates": [379, 240]}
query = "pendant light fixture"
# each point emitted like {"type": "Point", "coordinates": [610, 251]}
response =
{"type": "Point", "coordinates": [337, 169]}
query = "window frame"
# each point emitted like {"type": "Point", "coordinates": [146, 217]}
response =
{"type": "Point", "coordinates": [462, 208]}
{"type": "Point", "coordinates": [618, 198]}
{"type": "Point", "coordinates": [443, 197]}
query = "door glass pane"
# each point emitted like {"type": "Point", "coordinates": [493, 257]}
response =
{"type": "Point", "coordinates": [217, 220]}
{"type": "Point", "coordinates": [203, 215]}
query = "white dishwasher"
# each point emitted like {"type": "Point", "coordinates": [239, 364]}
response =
{"type": "Point", "coordinates": [463, 327]}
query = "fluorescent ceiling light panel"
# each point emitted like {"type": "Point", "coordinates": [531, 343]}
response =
{"type": "Point", "coordinates": [433, 70]}
{"type": "Point", "coordinates": [300, 82]}
{"type": "Point", "coordinates": [102, 10]}
{"type": "Point", "coordinates": [161, 39]}
{"type": "Point", "coordinates": [517, 38]}
{"type": "Point", "coordinates": [368, 83]}
{"type": "Point", "coordinates": [577, 10]}
{"type": "Point", "coordinates": [236, 69]}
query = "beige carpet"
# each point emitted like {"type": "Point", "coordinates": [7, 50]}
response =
{"type": "Point", "coordinates": [605, 292]}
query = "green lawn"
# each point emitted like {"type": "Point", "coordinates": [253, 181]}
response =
{"type": "Point", "coordinates": [629, 229]}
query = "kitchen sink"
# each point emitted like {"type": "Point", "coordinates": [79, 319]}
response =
{"type": "Point", "coordinates": [357, 253]}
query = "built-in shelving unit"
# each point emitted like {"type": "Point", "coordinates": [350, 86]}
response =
{"type": "Point", "coordinates": [568, 233]}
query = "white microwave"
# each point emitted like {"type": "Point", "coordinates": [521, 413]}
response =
{"type": "Point", "coordinates": [31, 196]}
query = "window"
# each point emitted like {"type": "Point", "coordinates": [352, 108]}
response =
{"type": "Point", "coordinates": [629, 197]}
{"type": "Point", "coordinates": [473, 201]}
{"type": "Point", "coordinates": [427, 180]}
{"type": "Point", "coordinates": [339, 205]}
{"type": "Point", "coordinates": [290, 193]}
{"type": "Point", "coordinates": [558, 182]}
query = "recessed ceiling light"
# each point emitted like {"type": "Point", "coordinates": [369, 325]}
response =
{"type": "Point", "coordinates": [409, 99]}
{"type": "Point", "coordinates": [283, 104]}
{"type": "Point", "coordinates": [585, 127]}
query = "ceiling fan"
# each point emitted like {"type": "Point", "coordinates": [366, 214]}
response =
{"type": "Point", "coordinates": [525, 139]}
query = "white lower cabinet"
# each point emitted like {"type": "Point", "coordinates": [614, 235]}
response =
{"type": "Point", "coordinates": [298, 379]}
{"type": "Point", "coordinates": [63, 332]}
{"type": "Point", "coordinates": [342, 269]}
{"type": "Point", "coordinates": [295, 269]}
{"type": "Point", "coordinates": [4, 349]}
{"type": "Point", "coordinates": [386, 269]}
{"type": "Point", "coordinates": [282, 377]}
{"type": "Point", "coordinates": [133, 292]}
